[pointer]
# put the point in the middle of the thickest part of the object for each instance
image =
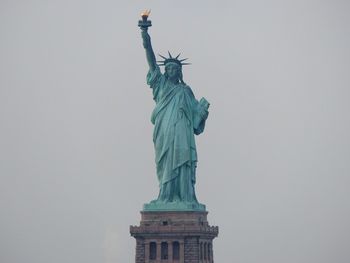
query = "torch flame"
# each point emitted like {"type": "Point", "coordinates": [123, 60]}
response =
{"type": "Point", "coordinates": [146, 13]}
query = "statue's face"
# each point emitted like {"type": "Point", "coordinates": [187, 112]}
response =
{"type": "Point", "coordinates": [173, 70]}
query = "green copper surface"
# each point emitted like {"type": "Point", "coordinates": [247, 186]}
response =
{"type": "Point", "coordinates": [177, 117]}
{"type": "Point", "coordinates": [173, 206]}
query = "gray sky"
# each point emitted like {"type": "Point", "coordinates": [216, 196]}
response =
{"type": "Point", "coordinates": [76, 152]}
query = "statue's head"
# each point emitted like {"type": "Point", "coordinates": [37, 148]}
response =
{"type": "Point", "coordinates": [173, 67]}
{"type": "Point", "coordinates": [173, 71]}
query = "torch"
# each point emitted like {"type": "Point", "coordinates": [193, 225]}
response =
{"type": "Point", "coordinates": [144, 24]}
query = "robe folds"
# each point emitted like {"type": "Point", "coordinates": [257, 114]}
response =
{"type": "Point", "coordinates": [177, 116]}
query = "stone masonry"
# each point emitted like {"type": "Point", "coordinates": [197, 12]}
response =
{"type": "Point", "coordinates": [174, 236]}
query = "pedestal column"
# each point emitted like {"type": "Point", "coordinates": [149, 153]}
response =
{"type": "Point", "coordinates": [182, 251]}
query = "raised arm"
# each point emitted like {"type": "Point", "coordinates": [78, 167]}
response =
{"type": "Point", "coordinates": [151, 58]}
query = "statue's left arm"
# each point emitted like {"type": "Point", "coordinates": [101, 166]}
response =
{"type": "Point", "coordinates": [200, 116]}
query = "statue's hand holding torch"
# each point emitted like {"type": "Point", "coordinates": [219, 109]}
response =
{"type": "Point", "coordinates": [144, 24]}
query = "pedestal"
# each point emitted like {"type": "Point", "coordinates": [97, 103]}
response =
{"type": "Point", "coordinates": [174, 236]}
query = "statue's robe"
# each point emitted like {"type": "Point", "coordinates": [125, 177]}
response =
{"type": "Point", "coordinates": [177, 116]}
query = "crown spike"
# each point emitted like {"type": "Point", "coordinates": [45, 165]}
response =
{"type": "Point", "coordinates": [162, 56]}
{"type": "Point", "coordinates": [171, 59]}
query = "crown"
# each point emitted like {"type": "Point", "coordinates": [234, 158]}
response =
{"type": "Point", "coordinates": [170, 59]}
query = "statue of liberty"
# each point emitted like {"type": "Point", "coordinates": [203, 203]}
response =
{"type": "Point", "coordinates": [177, 117]}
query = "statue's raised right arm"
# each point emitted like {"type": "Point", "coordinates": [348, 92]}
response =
{"type": "Point", "coordinates": [151, 58]}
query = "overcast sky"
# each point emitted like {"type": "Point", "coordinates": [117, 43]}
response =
{"type": "Point", "coordinates": [76, 152]}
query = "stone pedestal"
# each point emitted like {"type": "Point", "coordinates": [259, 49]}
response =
{"type": "Point", "coordinates": [174, 236]}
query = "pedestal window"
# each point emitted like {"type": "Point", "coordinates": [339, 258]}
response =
{"type": "Point", "coordinates": [164, 250]}
{"type": "Point", "coordinates": [176, 250]}
{"type": "Point", "coordinates": [152, 251]}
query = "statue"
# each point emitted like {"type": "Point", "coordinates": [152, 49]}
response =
{"type": "Point", "coordinates": [177, 117]}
